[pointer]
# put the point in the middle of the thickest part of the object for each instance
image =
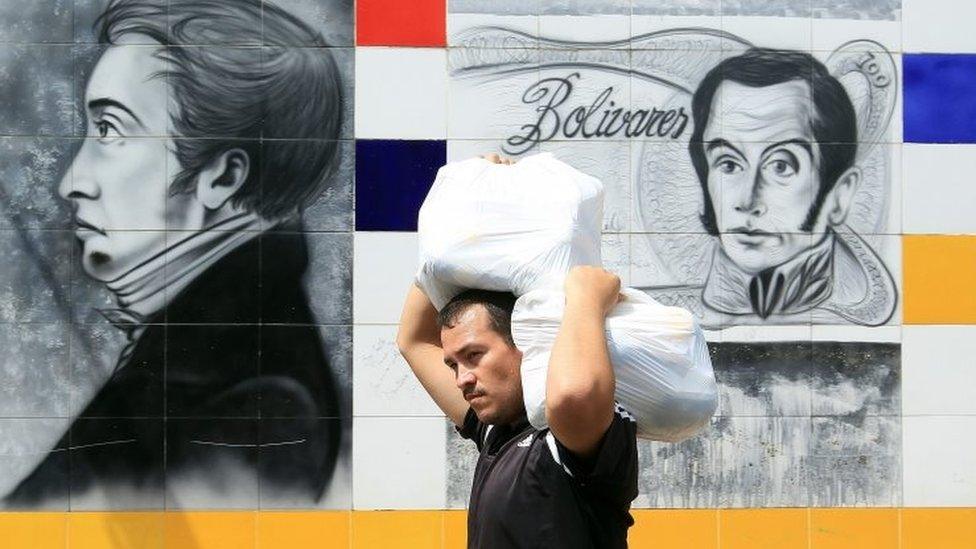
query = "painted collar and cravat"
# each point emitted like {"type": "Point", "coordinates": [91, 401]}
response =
{"type": "Point", "coordinates": [796, 286]}
{"type": "Point", "coordinates": [150, 286]}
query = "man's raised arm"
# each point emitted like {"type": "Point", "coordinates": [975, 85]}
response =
{"type": "Point", "coordinates": [580, 383]}
{"type": "Point", "coordinates": [419, 341]}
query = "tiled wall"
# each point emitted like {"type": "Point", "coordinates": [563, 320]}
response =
{"type": "Point", "coordinates": [843, 424]}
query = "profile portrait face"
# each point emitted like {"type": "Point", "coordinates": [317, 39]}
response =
{"type": "Point", "coordinates": [487, 366]}
{"type": "Point", "coordinates": [762, 171]}
{"type": "Point", "coordinates": [117, 182]}
{"type": "Point", "coordinates": [173, 134]}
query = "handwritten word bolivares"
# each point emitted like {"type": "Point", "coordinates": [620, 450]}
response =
{"type": "Point", "coordinates": [601, 118]}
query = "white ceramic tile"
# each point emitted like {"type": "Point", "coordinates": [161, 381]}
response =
{"type": "Point", "coordinates": [399, 463]}
{"type": "Point", "coordinates": [484, 103]}
{"type": "Point", "coordinates": [667, 196]}
{"type": "Point", "coordinates": [384, 266]}
{"type": "Point", "coordinates": [877, 249]}
{"type": "Point", "coordinates": [585, 31]}
{"type": "Point", "coordinates": [663, 260]}
{"type": "Point", "coordinates": [888, 248]}
{"type": "Point", "coordinates": [938, 365]}
{"type": "Point", "coordinates": [466, 30]}
{"type": "Point", "coordinates": [938, 26]}
{"type": "Point", "coordinates": [654, 31]}
{"type": "Point", "coordinates": [873, 334]}
{"type": "Point", "coordinates": [896, 189]}
{"type": "Point", "coordinates": [761, 334]}
{"type": "Point", "coordinates": [401, 93]}
{"type": "Point", "coordinates": [895, 132]}
{"type": "Point", "coordinates": [792, 33]}
{"type": "Point", "coordinates": [463, 149]}
{"type": "Point", "coordinates": [616, 256]}
{"type": "Point", "coordinates": [939, 457]}
{"type": "Point", "coordinates": [23, 443]}
{"type": "Point", "coordinates": [829, 34]}
{"type": "Point", "coordinates": [608, 161]}
{"type": "Point", "coordinates": [939, 194]}
{"type": "Point", "coordinates": [870, 74]}
{"type": "Point", "coordinates": [383, 384]}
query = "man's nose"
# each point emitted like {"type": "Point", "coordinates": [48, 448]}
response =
{"type": "Point", "coordinates": [78, 181]}
{"type": "Point", "coordinates": [750, 201]}
{"type": "Point", "coordinates": [464, 378]}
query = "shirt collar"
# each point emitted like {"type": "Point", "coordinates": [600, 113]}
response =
{"type": "Point", "coordinates": [796, 286]}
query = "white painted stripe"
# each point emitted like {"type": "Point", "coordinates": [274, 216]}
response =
{"type": "Point", "coordinates": [938, 26]}
{"type": "Point", "coordinates": [939, 195]}
{"type": "Point", "coordinates": [401, 93]}
{"type": "Point", "coordinates": [939, 460]}
{"type": "Point", "coordinates": [384, 266]}
{"type": "Point", "coordinates": [399, 463]}
{"type": "Point", "coordinates": [938, 365]}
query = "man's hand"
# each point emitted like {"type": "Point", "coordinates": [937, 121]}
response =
{"type": "Point", "coordinates": [593, 288]}
{"type": "Point", "coordinates": [580, 382]}
{"type": "Point", "coordinates": [496, 159]}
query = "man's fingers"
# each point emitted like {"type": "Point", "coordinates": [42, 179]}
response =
{"type": "Point", "coordinates": [497, 159]}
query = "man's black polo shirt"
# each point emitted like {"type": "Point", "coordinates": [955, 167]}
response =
{"type": "Point", "coordinates": [530, 491]}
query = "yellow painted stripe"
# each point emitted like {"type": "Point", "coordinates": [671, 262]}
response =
{"type": "Point", "coordinates": [674, 528]}
{"type": "Point", "coordinates": [836, 528]}
{"type": "Point", "coordinates": [938, 528]}
{"type": "Point", "coordinates": [853, 528]}
{"type": "Point", "coordinates": [763, 528]}
{"type": "Point", "coordinates": [939, 274]}
{"type": "Point", "coordinates": [406, 529]}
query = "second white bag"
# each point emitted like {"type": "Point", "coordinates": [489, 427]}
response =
{"type": "Point", "coordinates": [663, 371]}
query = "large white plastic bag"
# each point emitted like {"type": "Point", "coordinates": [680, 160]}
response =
{"type": "Point", "coordinates": [660, 360]}
{"type": "Point", "coordinates": [507, 227]}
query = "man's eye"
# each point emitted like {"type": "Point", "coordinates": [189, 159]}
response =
{"type": "Point", "coordinates": [728, 166]}
{"type": "Point", "coordinates": [105, 129]}
{"type": "Point", "coordinates": [781, 168]}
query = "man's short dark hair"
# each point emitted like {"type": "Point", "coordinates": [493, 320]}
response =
{"type": "Point", "coordinates": [499, 306]}
{"type": "Point", "coordinates": [280, 103]}
{"type": "Point", "coordinates": [834, 121]}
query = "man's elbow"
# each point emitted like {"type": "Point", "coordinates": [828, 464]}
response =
{"type": "Point", "coordinates": [570, 406]}
{"type": "Point", "coordinates": [404, 342]}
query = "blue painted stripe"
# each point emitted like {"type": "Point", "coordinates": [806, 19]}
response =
{"type": "Point", "coordinates": [940, 98]}
{"type": "Point", "coordinates": [392, 179]}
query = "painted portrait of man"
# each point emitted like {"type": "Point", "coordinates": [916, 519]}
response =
{"type": "Point", "coordinates": [774, 148]}
{"type": "Point", "coordinates": [187, 196]}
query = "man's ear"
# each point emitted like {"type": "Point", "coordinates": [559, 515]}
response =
{"type": "Point", "coordinates": [222, 177]}
{"type": "Point", "coordinates": [839, 200]}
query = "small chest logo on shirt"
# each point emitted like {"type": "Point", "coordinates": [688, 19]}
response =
{"type": "Point", "coordinates": [525, 442]}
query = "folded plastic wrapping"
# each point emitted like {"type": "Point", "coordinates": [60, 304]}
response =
{"type": "Point", "coordinates": [507, 227]}
{"type": "Point", "coordinates": [663, 371]}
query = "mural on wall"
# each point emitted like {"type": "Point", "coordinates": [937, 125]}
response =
{"type": "Point", "coordinates": [785, 226]}
{"type": "Point", "coordinates": [209, 336]}
{"type": "Point", "coordinates": [754, 186]}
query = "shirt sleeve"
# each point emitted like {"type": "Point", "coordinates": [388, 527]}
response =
{"type": "Point", "coordinates": [612, 472]}
{"type": "Point", "coordinates": [472, 429]}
